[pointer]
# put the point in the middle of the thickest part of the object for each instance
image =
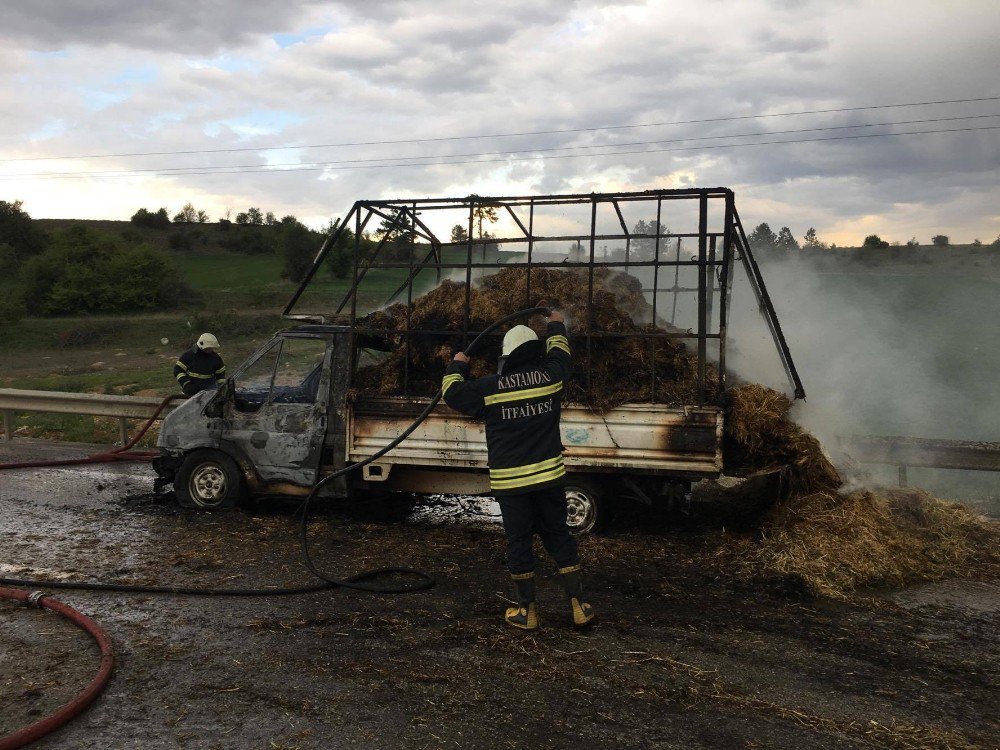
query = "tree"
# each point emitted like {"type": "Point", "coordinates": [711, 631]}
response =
{"type": "Point", "coordinates": [785, 240]}
{"type": "Point", "coordinates": [484, 212]}
{"type": "Point", "coordinates": [396, 233]}
{"type": "Point", "coordinates": [255, 217]}
{"type": "Point", "coordinates": [459, 234]}
{"type": "Point", "coordinates": [298, 245]}
{"type": "Point", "coordinates": [18, 231]}
{"type": "Point", "coordinates": [811, 240]}
{"type": "Point", "coordinates": [762, 238]}
{"type": "Point", "coordinates": [85, 271]}
{"type": "Point", "coordinates": [339, 258]}
{"type": "Point", "coordinates": [996, 242]}
{"type": "Point", "coordinates": [152, 219]}
{"type": "Point", "coordinates": [644, 248]}
{"type": "Point", "coordinates": [269, 219]}
{"type": "Point", "coordinates": [202, 217]}
{"type": "Point", "coordinates": [977, 242]}
{"type": "Point", "coordinates": [940, 240]}
{"type": "Point", "coordinates": [874, 241]}
{"type": "Point", "coordinates": [242, 218]}
{"type": "Point", "coordinates": [186, 215]}
{"type": "Point", "coordinates": [912, 242]}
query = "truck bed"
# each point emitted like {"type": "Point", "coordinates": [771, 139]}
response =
{"type": "Point", "coordinates": [633, 438]}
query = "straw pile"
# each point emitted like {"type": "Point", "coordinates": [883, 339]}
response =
{"type": "Point", "coordinates": [620, 368]}
{"type": "Point", "coordinates": [828, 544]}
{"type": "Point", "coordinates": [815, 538]}
{"type": "Point", "coordinates": [760, 436]}
{"type": "Point", "coordinates": [820, 540]}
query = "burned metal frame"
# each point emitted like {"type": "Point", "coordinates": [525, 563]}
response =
{"type": "Point", "coordinates": [714, 273]}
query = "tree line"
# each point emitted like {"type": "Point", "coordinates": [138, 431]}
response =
{"type": "Point", "coordinates": [764, 239]}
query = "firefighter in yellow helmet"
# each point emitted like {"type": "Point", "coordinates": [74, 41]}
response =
{"type": "Point", "coordinates": [200, 367]}
{"type": "Point", "coordinates": [521, 405]}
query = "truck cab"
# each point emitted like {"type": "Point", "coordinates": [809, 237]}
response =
{"type": "Point", "coordinates": [262, 432]}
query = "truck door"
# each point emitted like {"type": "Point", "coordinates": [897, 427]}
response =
{"type": "Point", "coordinates": [277, 417]}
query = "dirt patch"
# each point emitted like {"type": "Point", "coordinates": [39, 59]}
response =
{"type": "Point", "coordinates": [684, 655]}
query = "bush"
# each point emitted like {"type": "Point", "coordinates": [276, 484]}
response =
{"type": "Point", "coordinates": [86, 334]}
{"type": "Point", "coordinates": [940, 240]}
{"type": "Point", "coordinates": [19, 232]}
{"type": "Point", "coordinates": [250, 240]}
{"type": "Point", "coordinates": [298, 246]}
{"type": "Point", "coordinates": [89, 272]}
{"type": "Point", "coordinates": [11, 309]}
{"type": "Point", "coordinates": [180, 241]}
{"type": "Point", "coordinates": [873, 240]}
{"type": "Point", "coordinates": [154, 220]}
{"type": "Point", "coordinates": [10, 263]}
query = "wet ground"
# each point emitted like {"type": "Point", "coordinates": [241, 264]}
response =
{"type": "Point", "coordinates": [683, 656]}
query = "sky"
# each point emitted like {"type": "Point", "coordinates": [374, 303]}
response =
{"type": "Point", "coordinates": [290, 83]}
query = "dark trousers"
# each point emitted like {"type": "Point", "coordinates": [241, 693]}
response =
{"type": "Point", "coordinates": [542, 512]}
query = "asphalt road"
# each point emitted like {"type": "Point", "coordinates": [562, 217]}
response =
{"type": "Point", "coordinates": [683, 657]}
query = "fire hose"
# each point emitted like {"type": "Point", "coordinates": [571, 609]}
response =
{"type": "Point", "coordinates": [359, 582]}
{"type": "Point", "coordinates": [53, 721]}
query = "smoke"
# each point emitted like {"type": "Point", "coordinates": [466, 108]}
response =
{"type": "Point", "coordinates": [896, 349]}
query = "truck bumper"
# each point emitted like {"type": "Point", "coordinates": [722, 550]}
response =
{"type": "Point", "coordinates": [166, 465]}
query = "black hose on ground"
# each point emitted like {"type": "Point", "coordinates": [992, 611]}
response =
{"type": "Point", "coordinates": [357, 582]}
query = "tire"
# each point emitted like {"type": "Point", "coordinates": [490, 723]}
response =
{"type": "Point", "coordinates": [208, 480]}
{"type": "Point", "coordinates": [587, 507]}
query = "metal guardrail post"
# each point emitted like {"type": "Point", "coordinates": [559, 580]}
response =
{"type": "Point", "coordinates": [8, 424]}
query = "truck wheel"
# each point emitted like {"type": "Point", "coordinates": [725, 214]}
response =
{"type": "Point", "coordinates": [587, 507]}
{"type": "Point", "coordinates": [208, 480]}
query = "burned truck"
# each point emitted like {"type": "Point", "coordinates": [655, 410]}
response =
{"type": "Point", "coordinates": [646, 277]}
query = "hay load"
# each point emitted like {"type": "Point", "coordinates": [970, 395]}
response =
{"type": "Point", "coordinates": [816, 538]}
{"type": "Point", "coordinates": [620, 368]}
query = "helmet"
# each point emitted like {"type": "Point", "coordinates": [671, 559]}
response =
{"type": "Point", "coordinates": [208, 341]}
{"type": "Point", "coordinates": [515, 337]}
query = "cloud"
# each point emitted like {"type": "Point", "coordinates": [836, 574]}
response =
{"type": "Point", "coordinates": [177, 25]}
{"type": "Point", "coordinates": [201, 76]}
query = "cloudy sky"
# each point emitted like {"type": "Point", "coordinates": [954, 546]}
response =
{"type": "Point", "coordinates": [312, 94]}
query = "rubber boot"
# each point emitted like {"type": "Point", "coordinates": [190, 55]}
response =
{"type": "Point", "coordinates": [525, 615]}
{"type": "Point", "coordinates": [572, 579]}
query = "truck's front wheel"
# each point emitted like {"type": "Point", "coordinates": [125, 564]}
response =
{"type": "Point", "coordinates": [587, 507]}
{"type": "Point", "coordinates": [208, 480]}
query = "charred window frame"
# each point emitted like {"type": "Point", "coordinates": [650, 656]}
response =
{"type": "Point", "coordinates": [718, 246]}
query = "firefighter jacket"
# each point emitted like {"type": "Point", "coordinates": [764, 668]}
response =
{"type": "Point", "coordinates": [521, 409]}
{"type": "Point", "coordinates": [197, 370]}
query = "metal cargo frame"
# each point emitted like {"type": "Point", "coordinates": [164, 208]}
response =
{"type": "Point", "coordinates": [716, 253]}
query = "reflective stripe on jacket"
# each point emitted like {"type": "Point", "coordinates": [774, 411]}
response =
{"type": "Point", "coordinates": [521, 409]}
{"type": "Point", "coordinates": [197, 370]}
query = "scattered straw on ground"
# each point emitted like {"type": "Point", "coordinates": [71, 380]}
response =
{"type": "Point", "coordinates": [827, 543]}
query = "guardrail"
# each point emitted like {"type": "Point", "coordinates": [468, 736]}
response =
{"type": "Point", "coordinates": [13, 400]}
{"type": "Point", "coordinates": [925, 452]}
{"type": "Point", "coordinates": [871, 449]}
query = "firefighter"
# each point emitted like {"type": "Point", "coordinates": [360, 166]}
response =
{"type": "Point", "coordinates": [520, 405]}
{"type": "Point", "coordinates": [200, 367]}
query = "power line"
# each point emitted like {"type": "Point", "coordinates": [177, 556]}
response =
{"type": "Point", "coordinates": [506, 135]}
{"type": "Point", "coordinates": [198, 169]}
{"type": "Point", "coordinates": [532, 158]}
